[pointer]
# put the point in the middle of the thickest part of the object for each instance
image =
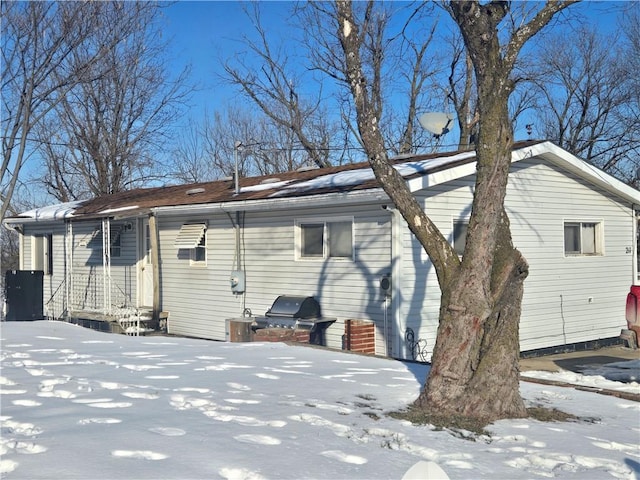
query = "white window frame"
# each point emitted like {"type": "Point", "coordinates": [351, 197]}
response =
{"type": "Point", "coordinates": [583, 225]}
{"type": "Point", "coordinates": [326, 249]}
{"type": "Point", "coordinates": [188, 234]}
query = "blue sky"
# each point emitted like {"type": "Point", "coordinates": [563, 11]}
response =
{"type": "Point", "coordinates": [203, 33]}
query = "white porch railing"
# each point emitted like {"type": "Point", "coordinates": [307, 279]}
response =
{"type": "Point", "coordinates": [87, 294]}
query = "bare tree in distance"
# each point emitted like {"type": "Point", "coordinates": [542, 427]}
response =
{"type": "Point", "coordinates": [265, 76]}
{"type": "Point", "coordinates": [398, 52]}
{"type": "Point", "coordinates": [106, 131]}
{"type": "Point", "coordinates": [191, 162]}
{"type": "Point", "coordinates": [39, 40]}
{"type": "Point", "coordinates": [474, 371]}
{"type": "Point", "coordinates": [262, 146]}
{"type": "Point", "coordinates": [584, 92]}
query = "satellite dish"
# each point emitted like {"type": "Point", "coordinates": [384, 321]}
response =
{"type": "Point", "coordinates": [436, 122]}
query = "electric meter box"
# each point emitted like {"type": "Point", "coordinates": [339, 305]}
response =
{"type": "Point", "coordinates": [237, 281]}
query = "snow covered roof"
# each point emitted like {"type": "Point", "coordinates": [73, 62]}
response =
{"type": "Point", "coordinates": [420, 171]}
{"type": "Point", "coordinates": [51, 212]}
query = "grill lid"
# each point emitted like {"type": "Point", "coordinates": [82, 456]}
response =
{"type": "Point", "coordinates": [294, 307]}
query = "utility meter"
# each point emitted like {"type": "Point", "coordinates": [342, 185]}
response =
{"type": "Point", "coordinates": [237, 281]}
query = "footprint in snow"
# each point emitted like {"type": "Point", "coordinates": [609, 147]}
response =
{"type": "Point", "coordinates": [257, 439]}
{"type": "Point", "coordinates": [99, 420]}
{"type": "Point", "coordinates": [18, 428]}
{"type": "Point", "coordinates": [109, 404]}
{"type": "Point", "coordinates": [57, 394]}
{"type": "Point", "coordinates": [238, 386]}
{"type": "Point", "coordinates": [229, 473]}
{"type": "Point", "coordinates": [91, 400]}
{"type": "Point", "coordinates": [25, 448]}
{"type": "Point", "coordinates": [142, 395]}
{"type": "Point", "coordinates": [139, 454]}
{"type": "Point", "coordinates": [26, 403]}
{"type": "Point", "coordinates": [111, 385]}
{"type": "Point", "coordinates": [141, 368]}
{"type": "Point", "coordinates": [168, 431]}
{"type": "Point", "coordinates": [344, 457]}
{"type": "Point", "coordinates": [631, 449]}
{"type": "Point", "coordinates": [192, 389]}
{"type": "Point", "coordinates": [4, 391]}
{"type": "Point", "coordinates": [7, 466]}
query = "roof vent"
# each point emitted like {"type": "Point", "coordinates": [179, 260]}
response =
{"type": "Point", "coordinates": [306, 168]}
{"type": "Point", "coordinates": [195, 191]}
{"type": "Point", "coordinates": [266, 181]}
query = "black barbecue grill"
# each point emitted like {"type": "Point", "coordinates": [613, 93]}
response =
{"type": "Point", "coordinates": [293, 312]}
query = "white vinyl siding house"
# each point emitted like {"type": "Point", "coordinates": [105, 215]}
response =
{"type": "Point", "coordinates": [345, 287]}
{"type": "Point", "coordinates": [567, 299]}
{"type": "Point", "coordinates": [333, 234]}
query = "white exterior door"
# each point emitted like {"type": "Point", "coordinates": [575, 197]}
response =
{"type": "Point", "coordinates": [146, 267]}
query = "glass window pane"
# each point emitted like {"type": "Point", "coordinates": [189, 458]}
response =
{"type": "Point", "coordinates": [460, 236]}
{"type": "Point", "coordinates": [312, 236]}
{"type": "Point", "coordinates": [572, 238]}
{"type": "Point", "coordinates": [200, 252]}
{"type": "Point", "coordinates": [589, 238]}
{"type": "Point", "coordinates": [340, 240]}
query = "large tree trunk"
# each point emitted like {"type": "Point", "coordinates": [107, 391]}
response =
{"type": "Point", "coordinates": [475, 370]}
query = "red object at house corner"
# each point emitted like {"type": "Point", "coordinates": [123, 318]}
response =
{"type": "Point", "coordinates": [633, 310]}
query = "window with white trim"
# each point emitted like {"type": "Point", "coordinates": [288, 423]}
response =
{"type": "Point", "coordinates": [460, 228]}
{"type": "Point", "coordinates": [193, 237]}
{"type": "Point", "coordinates": [583, 238]}
{"type": "Point", "coordinates": [323, 239]}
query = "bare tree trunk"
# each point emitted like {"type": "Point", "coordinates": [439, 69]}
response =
{"type": "Point", "coordinates": [474, 370]}
{"type": "Point", "coordinates": [475, 363]}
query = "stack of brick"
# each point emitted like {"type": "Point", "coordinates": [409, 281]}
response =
{"type": "Point", "coordinates": [281, 335]}
{"type": "Point", "coordinates": [360, 336]}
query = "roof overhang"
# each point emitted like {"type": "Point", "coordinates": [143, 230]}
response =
{"type": "Point", "coordinates": [371, 196]}
{"type": "Point", "coordinates": [563, 159]}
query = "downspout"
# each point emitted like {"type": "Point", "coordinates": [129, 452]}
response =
{"type": "Point", "coordinates": [106, 265]}
{"type": "Point", "coordinates": [68, 267]}
{"type": "Point", "coordinates": [398, 325]}
{"type": "Point", "coordinates": [155, 264]}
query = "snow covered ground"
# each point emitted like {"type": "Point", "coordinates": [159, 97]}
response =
{"type": "Point", "coordinates": [79, 404]}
